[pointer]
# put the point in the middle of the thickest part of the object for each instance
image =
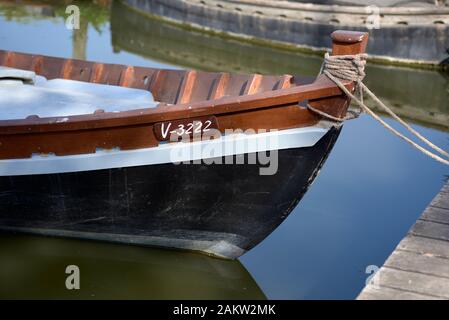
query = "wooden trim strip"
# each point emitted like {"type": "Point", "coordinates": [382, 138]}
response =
{"type": "Point", "coordinates": [9, 58]}
{"type": "Point", "coordinates": [253, 84]}
{"type": "Point", "coordinates": [127, 77]}
{"type": "Point", "coordinates": [187, 87]}
{"type": "Point", "coordinates": [220, 87]}
{"type": "Point", "coordinates": [36, 63]}
{"type": "Point", "coordinates": [142, 136]}
{"type": "Point", "coordinates": [97, 72]}
{"type": "Point", "coordinates": [285, 82]}
{"type": "Point", "coordinates": [67, 67]}
{"type": "Point", "coordinates": [156, 81]}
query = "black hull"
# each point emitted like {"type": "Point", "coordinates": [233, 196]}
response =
{"type": "Point", "coordinates": [222, 210]}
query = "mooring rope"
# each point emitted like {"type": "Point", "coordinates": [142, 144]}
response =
{"type": "Point", "coordinates": [352, 68]}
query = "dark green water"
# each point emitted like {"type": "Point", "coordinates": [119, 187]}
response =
{"type": "Point", "coordinates": [371, 190]}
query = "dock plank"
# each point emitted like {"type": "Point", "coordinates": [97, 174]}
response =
{"type": "Point", "coordinates": [416, 262]}
{"type": "Point", "coordinates": [419, 266]}
{"type": "Point", "coordinates": [431, 230]}
{"type": "Point", "coordinates": [445, 188]}
{"type": "Point", "coordinates": [413, 282]}
{"type": "Point", "coordinates": [426, 246]}
{"type": "Point", "coordinates": [441, 201]}
{"type": "Point", "coordinates": [372, 293]}
{"type": "Point", "coordinates": [436, 215]}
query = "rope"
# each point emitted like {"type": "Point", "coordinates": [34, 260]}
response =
{"type": "Point", "coordinates": [351, 67]}
{"type": "Point", "coordinates": [331, 117]}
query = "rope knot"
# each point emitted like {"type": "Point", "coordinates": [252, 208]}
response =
{"type": "Point", "coordinates": [345, 67]}
{"type": "Point", "coordinates": [352, 68]}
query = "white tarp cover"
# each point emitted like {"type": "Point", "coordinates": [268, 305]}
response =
{"type": "Point", "coordinates": [11, 73]}
{"type": "Point", "coordinates": [22, 94]}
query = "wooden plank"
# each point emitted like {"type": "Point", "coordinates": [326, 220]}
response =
{"type": "Point", "coordinates": [106, 73]}
{"type": "Point", "coordinates": [187, 87]}
{"type": "Point", "coordinates": [220, 87]}
{"type": "Point", "coordinates": [80, 70]}
{"type": "Point", "coordinates": [427, 246]}
{"type": "Point", "coordinates": [66, 69]}
{"type": "Point", "coordinates": [3, 57]}
{"type": "Point", "coordinates": [97, 72]}
{"type": "Point", "coordinates": [142, 77]}
{"type": "Point", "coordinates": [51, 67]}
{"type": "Point", "coordinates": [204, 86]}
{"type": "Point", "coordinates": [169, 86]}
{"type": "Point", "coordinates": [36, 64]}
{"type": "Point", "coordinates": [431, 230]}
{"type": "Point", "coordinates": [84, 141]}
{"type": "Point", "coordinates": [127, 77]}
{"type": "Point", "coordinates": [285, 82]}
{"type": "Point", "coordinates": [269, 83]}
{"type": "Point", "coordinates": [372, 293]}
{"type": "Point", "coordinates": [253, 84]}
{"type": "Point", "coordinates": [19, 60]}
{"type": "Point", "coordinates": [156, 81]}
{"type": "Point", "coordinates": [436, 215]}
{"type": "Point", "coordinates": [237, 84]}
{"type": "Point", "coordinates": [413, 282]}
{"type": "Point", "coordinates": [445, 188]}
{"type": "Point", "coordinates": [441, 201]}
{"type": "Point", "coordinates": [416, 262]}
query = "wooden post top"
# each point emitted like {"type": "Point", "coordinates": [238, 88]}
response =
{"type": "Point", "coordinates": [348, 42]}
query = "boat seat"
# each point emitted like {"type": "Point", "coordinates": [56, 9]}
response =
{"type": "Point", "coordinates": [23, 93]}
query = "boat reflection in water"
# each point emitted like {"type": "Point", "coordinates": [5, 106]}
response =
{"type": "Point", "coordinates": [419, 96]}
{"type": "Point", "coordinates": [34, 267]}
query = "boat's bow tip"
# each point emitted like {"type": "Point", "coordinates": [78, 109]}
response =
{"type": "Point", "coordinates": [346, 42]}
{"type": "Point", "coordinates": [350, 37]}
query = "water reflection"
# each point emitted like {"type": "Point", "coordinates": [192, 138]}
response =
{"type": "Point", "coordinates": [417, 95]}
{"type": "Point", "coordinates": [95, 13]}
{"type": "Point", "coordinates": [34, 267]}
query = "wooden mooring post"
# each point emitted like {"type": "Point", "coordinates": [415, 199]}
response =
{"type": "Point", "coordinates": [419, 266]}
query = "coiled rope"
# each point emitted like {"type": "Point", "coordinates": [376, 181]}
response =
{"type": "Point", "coordinates": [352, 68]}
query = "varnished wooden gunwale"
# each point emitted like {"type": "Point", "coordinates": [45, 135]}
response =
{"type": "Point", "coordinates": [238, 101]}
{"type": "Point", "coordinates": [322, 88]}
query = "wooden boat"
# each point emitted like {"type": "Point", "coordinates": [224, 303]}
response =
{"type": "Point", "coordinates": [148, 156]}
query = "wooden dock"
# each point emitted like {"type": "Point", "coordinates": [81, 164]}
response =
{"type": "Point", "coordinates": [419, 266]}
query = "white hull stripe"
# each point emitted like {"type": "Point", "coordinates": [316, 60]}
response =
{"type": "Point", "coordinates": [165, 153]}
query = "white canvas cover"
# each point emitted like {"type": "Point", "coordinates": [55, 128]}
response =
{"type": "Point", "coordinates": [23, 93]}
